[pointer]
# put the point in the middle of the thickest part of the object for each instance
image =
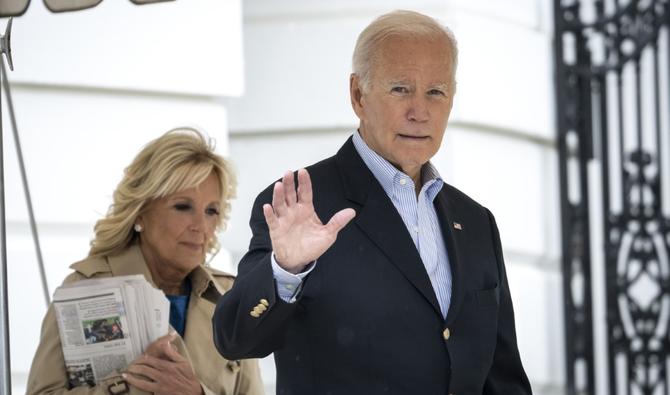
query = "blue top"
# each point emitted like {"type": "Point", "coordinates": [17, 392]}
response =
{"type": "Point", "coordinates": [178, 308]}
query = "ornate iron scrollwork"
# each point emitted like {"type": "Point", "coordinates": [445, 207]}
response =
{"type": "Point", "coordinates": [613, 109]}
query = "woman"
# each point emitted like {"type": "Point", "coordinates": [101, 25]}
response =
{"type": "Point", "coordinates": [162, 223]}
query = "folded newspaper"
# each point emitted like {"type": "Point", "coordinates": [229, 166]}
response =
{"type": "Point", "coordinates": [106, 323]}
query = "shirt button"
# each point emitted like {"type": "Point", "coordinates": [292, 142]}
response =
{"type": "Point", "coordinates": [446, 334]}
{"type": "Point", "coordinates": [416, 229]}
{"type": "Point", "coordinates": [402, 181]}
{"type": "Point", "coordinates": [289, 287]}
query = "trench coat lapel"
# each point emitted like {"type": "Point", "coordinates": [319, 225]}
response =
{"type": "Point", "coordinates": [199, 310]}
{"type": "Point", "coordinates": [198, 337]}
{"type": "Point", "coordinates": [379, 220]}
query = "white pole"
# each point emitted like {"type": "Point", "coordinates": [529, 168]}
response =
{"type": "Point", "coordinates": [5, 367]}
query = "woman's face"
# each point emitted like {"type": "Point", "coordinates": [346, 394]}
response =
{"type": "Point", "coordinates": [177, 228]}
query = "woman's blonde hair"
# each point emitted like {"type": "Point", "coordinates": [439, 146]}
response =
{"type": "Point", "coordinates": [180, 159]}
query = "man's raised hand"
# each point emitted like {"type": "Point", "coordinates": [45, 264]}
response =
{"type": "Point", "coordinates": [298, 235]}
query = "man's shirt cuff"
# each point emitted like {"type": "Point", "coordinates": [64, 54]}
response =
{"type": "Point", "coordinates": [288, 284]}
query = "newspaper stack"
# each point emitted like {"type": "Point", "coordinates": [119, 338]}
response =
{"type": "Point", "coordinates": [106, 323]}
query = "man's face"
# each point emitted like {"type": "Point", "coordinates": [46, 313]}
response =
{"type": "Point", "coordinates": [404, 112]}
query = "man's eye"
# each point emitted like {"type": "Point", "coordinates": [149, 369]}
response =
{"type": "Point", "coordinates": [400, 89]}
{"type": "Point", "coordinates": [436, 92]}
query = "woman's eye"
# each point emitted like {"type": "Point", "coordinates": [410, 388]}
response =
{"type": "Point", "coordinates": [182, 206]}
{"type": "Point", "coordinates": [212, 211]}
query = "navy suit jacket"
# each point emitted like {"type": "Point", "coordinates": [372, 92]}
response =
{"type": "Point", "coordinates": [367, 320]}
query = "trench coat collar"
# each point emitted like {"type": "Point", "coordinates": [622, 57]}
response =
{"type": "Point", "coordinates": [130, 261]}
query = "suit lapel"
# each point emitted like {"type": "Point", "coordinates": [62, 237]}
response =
{"type": "Point", "coordinates": [445, 215]}
{"type": "Point", "coordinates": [380, 221]}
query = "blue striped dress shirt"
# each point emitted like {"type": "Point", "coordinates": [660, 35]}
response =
{"type": "Point", "coordinates": [418, 214]}
{"type": "Point", "coordinates": [419, 217]}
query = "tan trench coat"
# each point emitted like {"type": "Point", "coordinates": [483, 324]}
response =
{"type": "Point", "coordinates": [216, 374]}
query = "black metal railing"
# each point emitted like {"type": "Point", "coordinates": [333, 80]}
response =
{"type": "Point", "coordinates": [613, 112]}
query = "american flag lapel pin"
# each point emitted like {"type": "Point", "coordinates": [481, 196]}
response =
{"type": "Point", "coordinates": [458, 226]}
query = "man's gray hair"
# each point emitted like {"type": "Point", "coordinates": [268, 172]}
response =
{"type": "Point", "coordinates": [397, 23]}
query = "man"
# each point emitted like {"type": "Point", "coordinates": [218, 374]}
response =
{"type": "Point", "coordinates": [403, 290]}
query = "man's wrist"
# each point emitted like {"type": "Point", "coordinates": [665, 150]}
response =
{"type": "Point", "coordinates": [289, 284]}
{"type": "Point", "coordinates": [293, 270]}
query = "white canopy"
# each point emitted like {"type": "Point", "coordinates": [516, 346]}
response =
{"type": "Point", "coordinates": [18, 7]}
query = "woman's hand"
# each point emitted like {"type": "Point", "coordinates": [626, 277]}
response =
{"type": "Point", "coordinates": [161, 370]}
{"type": "Point", "coordinates": [160, 347]}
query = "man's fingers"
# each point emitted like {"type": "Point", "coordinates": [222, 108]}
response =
{"type": "Point", "coordinates": [304, 187]}
{"type": "Point", "coordinates": [279, 199]}
{"type": "Point", "coordinates": [340, 220]}
{"type": "Point", "coordinates": [289, 188]}
{"type": "Point", "coordinates": [270, 216]}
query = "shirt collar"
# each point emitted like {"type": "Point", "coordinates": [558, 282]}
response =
{"type": "Point", "coordinates": [389, 176]}
{"type": "Point", "coordinates": [432, 182]}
